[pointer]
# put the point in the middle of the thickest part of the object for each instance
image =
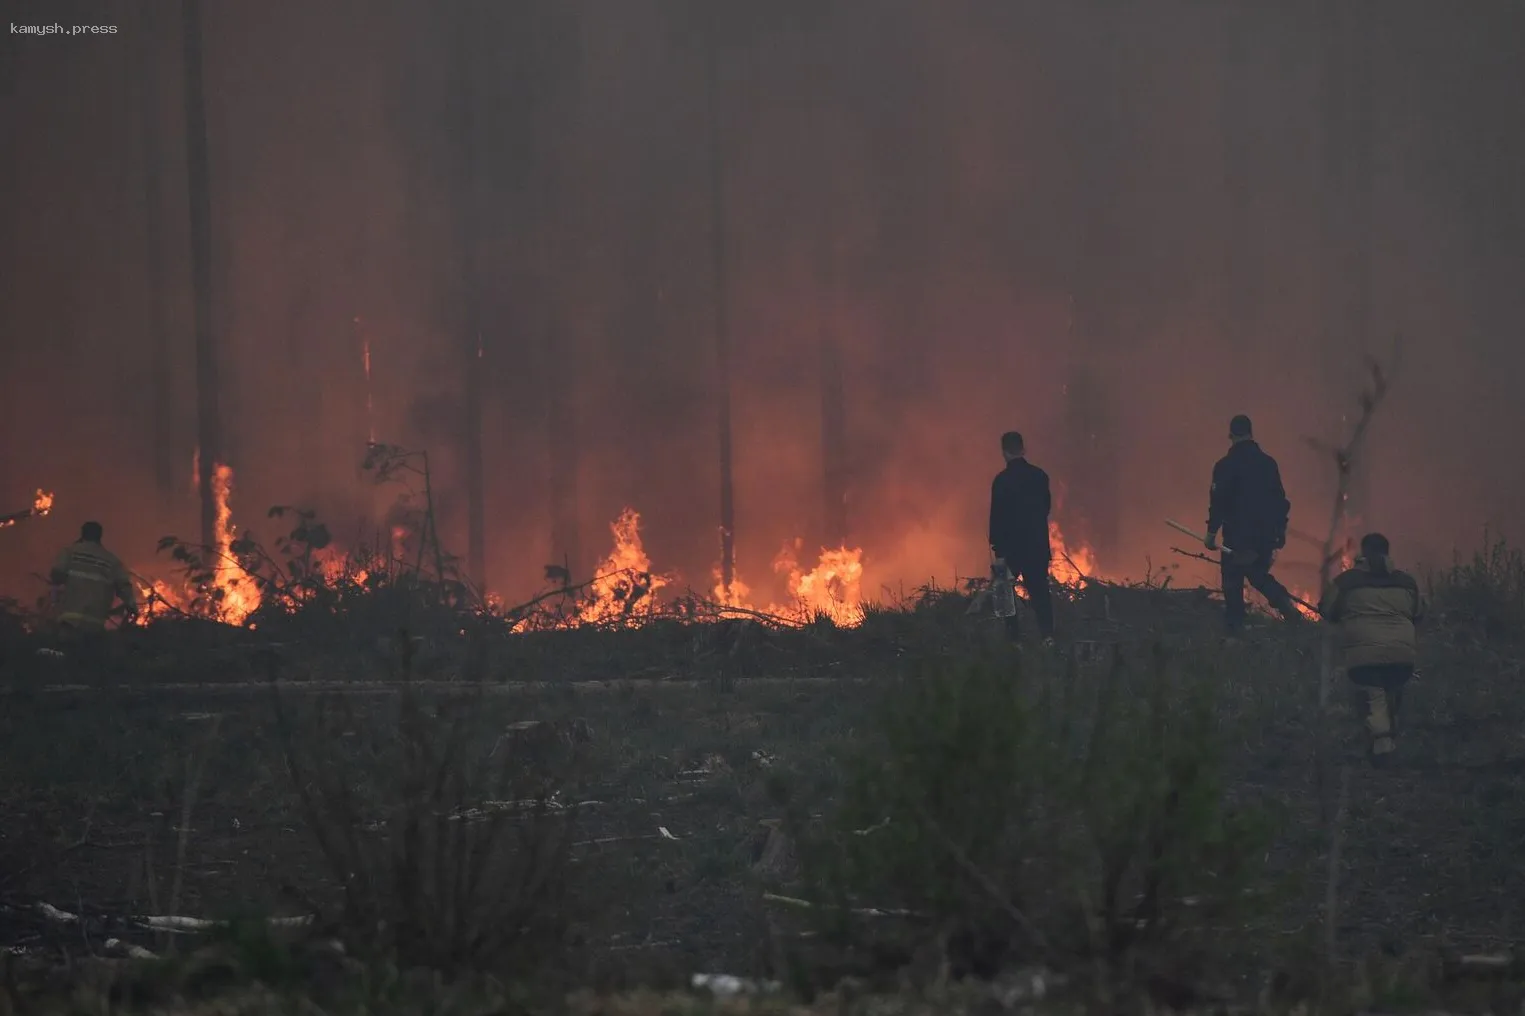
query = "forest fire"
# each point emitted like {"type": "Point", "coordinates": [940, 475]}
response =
{"type": "Point", "coordinates": [832, 588]}
{"type": "Point", "coordinates": [624, 584]}
{"type": "Point", "coordinates": [226, 592]}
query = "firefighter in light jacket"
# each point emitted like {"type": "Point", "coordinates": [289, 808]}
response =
{"type": "Point", "coordinates": [1378, 609]}
{"type": "Point", "coordinates": [87, 580]}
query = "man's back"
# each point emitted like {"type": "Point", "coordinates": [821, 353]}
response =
{"type": "Point", "coordinates": [1020, 501]}
{"type": "Point", "coordinates": [91, 577]}
{"type": "Point", "coordinates": [1248, 500]}
{"type": "Point", "coordinates": [1376, 611]}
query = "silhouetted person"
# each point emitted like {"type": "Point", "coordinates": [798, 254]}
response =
{"type": "Point", "coordinates": [1020, 502]}
{"type": "Point", "coordinates": [1377, 609]}
{"type": "Point", "coordinates": [87, 580]}
{"type": "Point", "coordinates": [1249, 504]}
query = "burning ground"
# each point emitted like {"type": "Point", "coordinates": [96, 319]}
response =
{"type": "Point", "coordinates": [229, 580]}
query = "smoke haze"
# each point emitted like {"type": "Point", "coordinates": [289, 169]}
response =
{"type": "Point", "coordinates": [1108, 226]}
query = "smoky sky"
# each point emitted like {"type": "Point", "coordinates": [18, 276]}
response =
{"type": "Point", "coordinates": [1110, 226]}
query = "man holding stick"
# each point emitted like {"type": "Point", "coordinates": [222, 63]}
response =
{"type": "Point", "coordinates": [1248, 503]}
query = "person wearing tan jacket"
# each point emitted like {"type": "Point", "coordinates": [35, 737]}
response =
{"type": "Point", "coordinates": [87, 580]}
{"type": "Point", "coordinates": [1377, 609]}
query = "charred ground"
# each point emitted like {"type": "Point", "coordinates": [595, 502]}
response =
{"type": "Point", "coordinates": [669, 778]}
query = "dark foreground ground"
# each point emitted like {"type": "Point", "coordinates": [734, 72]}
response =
{"type": "Point", "coordinates": [151, 780]}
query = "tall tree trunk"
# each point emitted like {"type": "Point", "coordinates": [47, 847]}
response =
{"type": "Point", "coordinates": [1092, 423]}
{"type": "Point", "coordinates": [833, 410]}
{"type": "Point", "coordinates": [467, 212]}
{"type": "Point", "coordinates": [208, 423]}
{"type": "Point", "coordinates": [1238, 310]}
{"type": "Point", "coordinates": [161, 385]}
{"type": "Point", "coordinates": [722, 313]}
{"type": "Point", "coordinates": [559, 378]}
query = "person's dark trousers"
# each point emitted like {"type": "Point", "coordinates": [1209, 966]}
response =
{"type": "Point", "coordinates": [1255, 568]}
{"type": "Point", "coordinates": [1034, 578]}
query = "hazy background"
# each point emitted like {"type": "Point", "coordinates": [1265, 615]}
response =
{"type": "Point", "coordinates": [1111, 226]}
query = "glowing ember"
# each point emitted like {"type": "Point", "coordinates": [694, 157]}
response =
{"type": "Point", "coordinates": [624, 585]}
{"type": "Point", "coordinates": [365, 360]}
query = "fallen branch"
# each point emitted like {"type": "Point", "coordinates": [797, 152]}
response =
{"type": "Point", "coordinates": [799, 904]}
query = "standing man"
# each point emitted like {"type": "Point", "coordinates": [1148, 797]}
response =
{"type": "Point", "coordinates": [1020, 502]}
{"type": "Point", "coordinates": [87, 579]}
{"type": "Point", "coordinates": [1249, 504]}
{"type": "Point", "coordinates": [1378, 610]}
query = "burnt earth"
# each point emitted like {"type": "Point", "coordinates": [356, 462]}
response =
{"type": "Point", "coordinates": [103, 760]}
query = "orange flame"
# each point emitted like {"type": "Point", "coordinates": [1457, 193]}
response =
{"type": "Point", "coordinates": [624, 585]}
{"type": "Point", "coordinates": [1068, 566]}
{"type": "Point", "coordinates": [232, 595]}
{"type": "Point", "coordinates": [42, 503]}
{"type": "Point", "coordinates": [240, 596]}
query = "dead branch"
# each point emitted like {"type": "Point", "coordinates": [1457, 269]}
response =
{"type": "Point", "coordinates": [1344, 461]}
{"type": "Point", "coordinates": [1199, 557]}
{"type": "Point", "coordinates": [799, 904]}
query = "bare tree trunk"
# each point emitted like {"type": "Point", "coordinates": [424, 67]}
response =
{"type": "Point", "coordinates": [161, 412]}
{"type": "Point", "coordinates": [722, 315]}
{"type": "Point", "coordinates": [833, 410]}
{"type": "Point", "coordinates": [208, 423]}
{"type": "Point", "coordinates": [471, 331]}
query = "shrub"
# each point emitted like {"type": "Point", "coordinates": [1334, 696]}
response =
{"type": "Point", "coordinates": [1025, 812]}
{"type": "Point", "coordinates": [1485, 594]}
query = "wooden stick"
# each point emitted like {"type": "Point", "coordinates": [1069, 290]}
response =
{"type": "Point", "coordinates": [1199, 537]}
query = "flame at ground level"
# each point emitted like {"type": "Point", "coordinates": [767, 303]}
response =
{"type": "Point", "coordinates": [831, 587]}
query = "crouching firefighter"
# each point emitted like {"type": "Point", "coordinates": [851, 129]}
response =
{"type": "Point", "coordinates": [1248, 502]}
{"type": "Point", "coordinates": [87, 580]}
{"type": "Point", "coordinates": [1020, 502]}
{"type": "Point", "coordinates": [1377, 609]}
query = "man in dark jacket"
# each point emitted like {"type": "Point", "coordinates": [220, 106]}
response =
{"type": "Point", "coordinates": [1377, 609]}
{"type": "Point", "coordinates": [1249, 504]}
{"type": "Point", "coordinates": [1020, 501]}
